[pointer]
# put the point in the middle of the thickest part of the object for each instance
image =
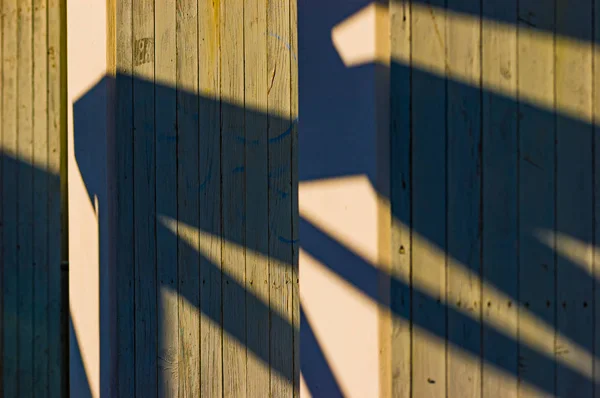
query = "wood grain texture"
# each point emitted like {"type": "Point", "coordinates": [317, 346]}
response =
{"type": "Point", "coordinates": [25, 223]}
{"type": "Point", "coordinates": [499, 266]}
{"type": "Point", "coordinates": [536, 194]}
{"type": "Point", "coordinates": [428, 204]}
{"type": "Point", "coordinates": [257, 196]}
{"type": "Point", "coordinates": [400, 196]}
{"type": "Point", "coordinates": [165, 115]}
{"type": "Point", "coordinates": [144, 181]}
{"type": "Point", "coordinates": [211, 338]}
{"type": "Point", "coordinates": [40, 182]}
{"type": "Point", "coordinates": [125, 372]}
{"type": "Point", "coordinates": [574, 193]}
{"type": "Point", "coordinates": [188, 198]}
{"type": "Point", "coordinates": [233, 177]}
{"type": "Point", "coordinates": [56, 125]}
{"type": "Point", "coordinates": [464, 203]}
{"type": "Point", "coordinates": [280, 202]}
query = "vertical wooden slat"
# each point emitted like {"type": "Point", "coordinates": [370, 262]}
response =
{"type": "Point", "coordinates": [280, 191]}
{"type": "Point", "coordinates": [233, 200]}
{"type": "Point", "coordinates": [294, 189]}
{"type": "Point", "coordinates": [125, 372]}
{"type": "Point", "coordinates": [400, 197]}
{"type": "Point", "coordinates": [187, 200]}
{"type": "Point", "coordinates": [257, 199]}
{"type": "Point", "coordinates": [211, 339]}
{"type": "Point", "coordinates": [428, 204]}
{"type": "Point", "coordinates": [165, 114]}
{"type": "Point", "coordinates": [596, 134]}
{"type": "Point", "coordinates": [464, 201]}
{"type": "Point", "coordinates": [9, 198]}
{"type": "Point", "coordinates": [500, 266]}
{"type": "Point", "coordinates": [40, 201]}
{"type": "Point", "coordinates": [56, 124]}
{"type": "Point", "coordinates": [574, 185]}
{"type": "Point", "coordinates": [536, 192]}
{"type": "Point", "coordinates": [144, 199]}
{"type": "Point", "coordinates": [25, 197]}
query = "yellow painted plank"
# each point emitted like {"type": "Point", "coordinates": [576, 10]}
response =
{"type": "Point", "coordinates": [211, 338]}
{"type": "Point", "coordinates": [24, 189]}
{"type": "Point", "coordinates": [188, 197]}
{"type": "Point", "coordinates": [536, 196]}
{"type": "Point", "coordinates": [257, 196]}
{"type": "Point", "coordinates": [41, 179]}
{"type": "Point", "coordinates": [165, 114]}
{"type": "Point", "coordinates": [280, 202]}
{"type": "Point", "coordinates": [233, 196]}
{"type": "Point", "coordinates": [464, 210]}
{"type": "Point", "coordinates": [574, 190]}
{"type": "Point", "coordinates": [143, 197]}
{"type": "Point", "coordinates": [499, 260]}
{"type": "Point", "coordinates": [400, 197]}
{"type": "Point", "coordinates": [428, 203]}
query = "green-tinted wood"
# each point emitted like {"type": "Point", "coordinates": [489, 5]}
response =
{"type": "Point", "coordinates": [499, 199]}
{"type": "Point", "coordinates": [24, 190]}
{"type": "Point", "coordinates": [574, 195]}
{"type": "Point", "coordinates": [280, 198]}
{"type": "Point", "coordinates": [40, 200]}
{"type": "Point", "coordinates": [257, 196]}
{"type": "Point", "coordinates": [144, 151]}
{"type": "Point", "coordinates": [187, 198]}
{"type": "Point", "coordinates": [165, 115]}
{"type": "Point", "coordinates": [536, 194]}
{"type": "Point", "coordinates": [211, 339]}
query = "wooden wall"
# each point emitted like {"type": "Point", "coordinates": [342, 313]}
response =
{"type": "Point", "coordinates": [201, 197]}
{"type": "Point", "coordinates": [33, 310]}
{"type": "Point", "coordinates": [495, 108]}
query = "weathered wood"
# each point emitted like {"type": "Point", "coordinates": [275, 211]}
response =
{"type": "Point", "coordinates": [25, 223]}
{"type": "Point", "coordinates": [232, 199]}
{"type": "Point", "coordinates": [280, 202]}
{"type": "Point", "coordinates": [165, 114]}
{"type": "Point", "coordinates": [428, 203]}
{"type": "Point", "coordinates": [596, 158]}
{"type": "Point", "coordinates": [499, 259]}
{"type": "Point", "coordinates": [125, 370]}
{"type": "Point", "coordinates": [536, 195]}
{"type": "Point", "coordinates": [464, 199]}
{"type": "Point", "coordinates": [574, 190]}
{"type": "Point", "coordinates": [257, 196]}
{"type": "Point", "coordinates": [187, 199]}
{"type": "Point", "coordinates": [211, 337]}
{"type": "Point", "coordinates": [400, 196]}
{"type": "Point", "coordinates": [144, 151]}
{"type": "Point", "coordinates": [41, 179]}
{"type": "Point", "coordinates": [57, 289]}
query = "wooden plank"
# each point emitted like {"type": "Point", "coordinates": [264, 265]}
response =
{"type": "Point", "coordinates": [187, 198]}
{"type": "Point", "coordinates": [124, 375]}
{"type": "Point", "coordinates": [165, 114]}
{"type": "Point", "coordinates": [233, 196]}
{"type": "Point", "coordinates": [144, 199]}
{"type": "Point", "coordinates": [57, 314]}
{"type": "Point", "coordinates": [574, 190]}
{"type": "Point", "coordinates": [295, 186]}
{"type": "Point", "coordinates": [536, 194]}
{"type": "Point", "coordinates": [257, 195]}
{"type": "Point", "coordinates": [400, 196]}
{"type": "Point", "coordinates": [280, 194]}
{"type": "Point", "coordinates": [25, 196]}
{"type": "Point", "coordinates": [428, 203]}
{"type": "Point", "coordinates": [499, 259]}
{"type": "Point", "coordinates": [596, 134]}
{"type": "Point", "coordinates": [211, 342]}
{"type": "Point", "coordinates": [40, 200]}
{"type": "Point", "coordinates": [464, 202]}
